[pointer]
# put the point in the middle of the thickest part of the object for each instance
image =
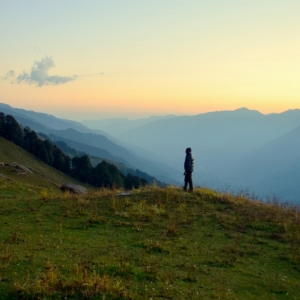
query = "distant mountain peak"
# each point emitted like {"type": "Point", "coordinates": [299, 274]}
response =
{"type": "Point", "coordinates": [246, 110]}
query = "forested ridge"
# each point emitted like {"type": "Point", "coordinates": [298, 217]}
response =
{"type": "Point", "coordinates": [104, 174]}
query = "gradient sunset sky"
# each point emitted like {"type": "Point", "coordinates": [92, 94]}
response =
{"type": "Point", "coordinates": [135, 58]}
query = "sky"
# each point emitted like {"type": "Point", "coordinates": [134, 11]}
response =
{"type": "Point", "coordinates": [135, 58]}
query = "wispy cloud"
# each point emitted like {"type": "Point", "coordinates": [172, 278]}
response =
{"type": "Point", "coordinates": [9, 74]}
{"type": "Point", "coordinates": [38, 74]}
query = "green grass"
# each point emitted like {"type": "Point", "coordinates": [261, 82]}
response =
{"type": "Point", "coordinates": [159, 243]}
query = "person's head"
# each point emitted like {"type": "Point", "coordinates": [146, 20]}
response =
{"type": "Point", "coordinates": [188, 150]}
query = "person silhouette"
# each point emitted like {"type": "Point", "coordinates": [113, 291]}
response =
{"type": "Point", "coordinates": [188, 169]}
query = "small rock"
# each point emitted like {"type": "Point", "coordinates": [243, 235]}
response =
{"type": "Point", "coordinates": [21, 173]}
{"type": "Point", "coordinates": [73, 188]}
{"type": "Point", "coordinates": [124, 194]}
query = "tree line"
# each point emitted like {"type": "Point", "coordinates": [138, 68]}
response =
{"type": "Point", "coordinates": [79, 167]}
{"type": "Point", "coordinates": [121, 166]}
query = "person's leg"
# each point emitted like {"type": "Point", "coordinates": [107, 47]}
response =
{"type": "Point", "coordinates": [191, 182]}
{"type": "Point", "coordinates": [186, 181]}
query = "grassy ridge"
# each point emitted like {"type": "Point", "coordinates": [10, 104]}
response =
{"type": "Point", "coordinates": [159, 243]}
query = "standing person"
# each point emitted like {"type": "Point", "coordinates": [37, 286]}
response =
{"type": "Point", "coordinates": [188, 169]}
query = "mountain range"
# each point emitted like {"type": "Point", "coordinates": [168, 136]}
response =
{"type": "Point", "coordinates": [243, 150]}
{"type": "Point", "coordinates": [240, 150]}
{"type": "Point", "coordinates": [93, 142]}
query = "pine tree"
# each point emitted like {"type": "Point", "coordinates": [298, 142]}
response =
{"type": "Point", "coordinates": [13, 131]}
{"type": "Point", "coordinates": [2, 124]}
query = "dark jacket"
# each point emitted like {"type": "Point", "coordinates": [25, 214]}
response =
{"type": "Point", "coordinates": [189, 162]}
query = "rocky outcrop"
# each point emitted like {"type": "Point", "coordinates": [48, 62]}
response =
{"type": "Point", "coordinates": [73, 188]}
{"type": "Point", "coordinates": [17, 168]}
{"type": "Point", "coordinates": [20, 167]}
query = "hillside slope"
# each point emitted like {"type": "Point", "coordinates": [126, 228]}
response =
{"type": "Point", "coordinates": [42, 176]}
{"type": "Point", "coordinates": [46, 120]}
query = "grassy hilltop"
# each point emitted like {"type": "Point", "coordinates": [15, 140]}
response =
{"type": "Point", "coordinates": [157, 243]}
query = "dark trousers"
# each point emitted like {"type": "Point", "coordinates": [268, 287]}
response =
{"type": "Point", "coordinates": [188, 181]}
